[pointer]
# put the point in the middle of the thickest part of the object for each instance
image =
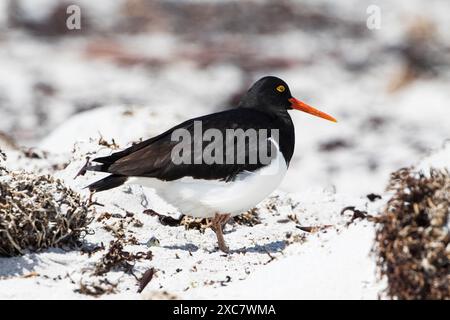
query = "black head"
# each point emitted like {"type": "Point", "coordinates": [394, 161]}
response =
{"type": "Point", "coordinates": [271, 94]}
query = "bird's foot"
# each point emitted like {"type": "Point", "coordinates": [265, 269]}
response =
{"type": "Point", "coordinates": [217, 224]}
{"type": "Point", "coordinates": [224, 248]}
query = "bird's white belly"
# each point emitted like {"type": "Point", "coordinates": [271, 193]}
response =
{"type": "Point", "coordinates": [205, 198]}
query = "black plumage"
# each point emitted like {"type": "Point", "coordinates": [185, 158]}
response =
{"type": "Point", "coordinates": [152, 158]}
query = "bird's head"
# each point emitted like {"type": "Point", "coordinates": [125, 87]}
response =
{"type": "Point", "coordinates": [273, 94]}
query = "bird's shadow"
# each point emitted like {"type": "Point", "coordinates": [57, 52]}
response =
{"type": "Point", "coordinates": [272, 247]}
{"type": "Point", "coordinates": [185, 247]}
{"type": "Point", "coordinates": [17, 266]}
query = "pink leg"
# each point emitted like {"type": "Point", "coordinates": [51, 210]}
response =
{"type": "Point", "coordinates": [217, 224]}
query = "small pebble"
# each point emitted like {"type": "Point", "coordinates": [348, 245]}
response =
{"type": "Point", "coordinates": [153, 242]}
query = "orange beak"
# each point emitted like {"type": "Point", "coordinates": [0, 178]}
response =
{"type": "Point", "coordinates": [298, 105]}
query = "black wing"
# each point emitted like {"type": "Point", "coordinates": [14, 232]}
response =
{"type": "Point", "coordinates": [153, 157]}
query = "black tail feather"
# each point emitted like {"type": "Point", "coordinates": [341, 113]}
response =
{"type": "Point", "coordinates": [107, 183]}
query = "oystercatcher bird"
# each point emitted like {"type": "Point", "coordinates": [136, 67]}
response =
{"type": "Point", "coordinates": [232, 184]}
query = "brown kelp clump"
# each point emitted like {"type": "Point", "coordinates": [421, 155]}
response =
{"type": "Point", "coordinates": [412, 240]}
{"type": "Point", "coordinates": [38, 212]}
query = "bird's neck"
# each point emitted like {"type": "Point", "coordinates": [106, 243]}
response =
{"type": "Point", "coordinates": [287, 134]}
{"type": "Point", "coordinates": [283, 122]}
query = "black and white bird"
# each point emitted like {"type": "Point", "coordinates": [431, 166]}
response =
{"type": "Point", "coordinates": [223, 188]}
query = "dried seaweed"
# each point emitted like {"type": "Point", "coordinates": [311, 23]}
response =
{"type": "Point", "coordinates": [97, 288]}
{"type": "Point", "coordinates": [118, 259]}
{"type": "Point", "coordinates": [165, 220]}
{"type": "Point", "coordinates": [146, 278]}
{"type": "Point", "coordinates": [294, 238]}
{"type": "Point", "coordinates": [274, 203]}
{"type": "Point", "coordinates": [115, 258]}
{"type": "Point", "coordinates": [249, 218]}
{"type": "Point", "coordinates": [37, 212]}
{"type": "Point", "coordinates": [373, 197]}
{"type": "Point", "coordinates": [118, 228]}
{"type": "Point", "coordinates": [293, 217]}
{"type": "Point", "coordinates": [103, 142]}
{"type": "Point", "coordinates": [191, 223]}
{"type": "Point", "coordinates": [313, 229]}
{"type": "Point", "coordinates": [412, 238]}
{"type": "Point", "coordinates": [91, 249]}
{"type": "Point", "coordinates": [33, 153]}
{"type": "Point", "coordinates": [357, 214]}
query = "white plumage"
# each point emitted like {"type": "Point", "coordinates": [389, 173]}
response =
{"type": "Point", "coordinates": [205, 198]}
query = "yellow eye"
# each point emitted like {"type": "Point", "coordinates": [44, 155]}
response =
{"type": "Point", "coordinates": [280, 88]}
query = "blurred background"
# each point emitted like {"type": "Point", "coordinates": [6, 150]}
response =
{"type": "Point", "coordinates": [387, 82]}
